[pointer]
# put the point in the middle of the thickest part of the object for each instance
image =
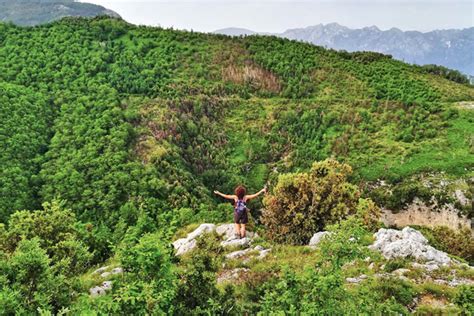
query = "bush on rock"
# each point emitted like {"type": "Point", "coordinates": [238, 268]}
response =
{"type": "Point", "coordinates": [304, 203]}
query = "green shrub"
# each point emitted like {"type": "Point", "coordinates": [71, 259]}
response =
{"type": "Point", "coordinates": [465, 299]}
{"type": "Point", "coordinates": [397, 263]}
{"type": "Point", "coordinates": [321, 288]}
{"type": "Point", "coordinates": [148, 286]}
{"type": "Point", "coordinates": [197, 288]}
{"type": "Point", "coordinates": [57, 232]}
{"type": "Point", "coordinates": [459, 243]}
{"type": "Point", "coordinates": [402, 291]}
{"type": "Point", "coordinates": [29, 282]}
{"type": "Point", "coordinates": [304, 203]}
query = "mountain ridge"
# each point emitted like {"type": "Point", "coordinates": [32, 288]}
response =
{"type": "Point", "coordinates": [451, 48]}
{"type": "Point", "coordinates": [35, 12]}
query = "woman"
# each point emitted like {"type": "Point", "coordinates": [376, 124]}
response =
{"type": "Point", "coordinates": [240, 209]}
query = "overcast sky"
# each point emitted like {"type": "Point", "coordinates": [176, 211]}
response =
{"type": "Point", "coordinates": [279, 15]}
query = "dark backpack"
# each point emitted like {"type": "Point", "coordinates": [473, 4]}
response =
{"type": "Point", "coordinates": [240, 207]}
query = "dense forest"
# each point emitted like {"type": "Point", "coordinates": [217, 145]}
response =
{"type": "Point", "coordinates": [114, 137]}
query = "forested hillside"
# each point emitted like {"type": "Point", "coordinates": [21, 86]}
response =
{"type": "Point", "coordinates": [122, 131]}
{"type": "Point", "coordinates": [34, 12]}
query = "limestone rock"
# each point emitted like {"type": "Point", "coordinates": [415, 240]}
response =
{"type": "Point", "coordinates": [316, 239]}
{"type": "Point", "coordinates": [238, 253]}
{"type": "Point", "coordinates": [105, 274]}
{"type": "Point", "coordinates": [236, 242]}
{"type": "Point", "coordinates": [100, 290]}
{"type": "Point", "coordinates": [117, 270]}
{"type": "Point", "coordinates": [184, 245]}
{"type": "Point", "coordinates": [357, 279]}
{"type": "Point", "coordinates": [400, 272]}
{"type": "Point", "coordinates": [228, 231]}
{"type": "Point", "coordinates": [100, 270]}
{"type": "Point", "coordinates": [407, 243]}
{"type": "Point", "coordinates": [107, 285]}
{"type": "Point", "coordinates": [97, 291]}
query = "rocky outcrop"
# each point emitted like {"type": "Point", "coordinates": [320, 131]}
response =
{"type": "Point", "coordinates": [184, 245]}
{"type": "Point", "coordinates": [106, 285]}
{"type": "Point", "coordinates": [419, 213]}
{"type": "Point", "coordinates": [407, 243]}
{"type": "Point", "coordinates": [316, 239]}
{"type": "Point", "coordinates": [261, 251]}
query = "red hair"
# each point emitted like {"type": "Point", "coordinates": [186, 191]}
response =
{"type": "Point", "coordinates": [240, 191]}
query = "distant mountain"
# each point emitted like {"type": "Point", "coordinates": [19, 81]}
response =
{"type": "Point", "coordinates": [450, 48]}
{"type": "Point", "coordinates": [34, 12]}
{"type": "Point", "coordinates": [235, 31]}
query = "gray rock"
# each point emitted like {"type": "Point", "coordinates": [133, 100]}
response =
{"type": "Point", "coordinates": [100, 290]}
{"type": "Point", "coordinates": [462, 199]}
{"type": "Point", "coordinates": [101, 270]}
{"type": "Point", "coordinates": [316, 239]}
{"type": "Point", "coordinates": [440, 282]}
{"type": "Point", "coordinates": [357, 279]}
{"type": "Point", "coordinates": [185, 245]}
{"type": "Point", "coordinates": [238, 253]}
{"type": "Point", "coordinates": [259, 248]}
{"type": "Point", "coordinates": [105, 275]}
{"type": "Point", "coordinates": [457, 282]}
{"type": "Point", "coordinates": [97, 291]}
{"type": "Point", "coordinates": [228, 231]}
{"type": "Point", "coordinates": [407, 243]}
{"type": "Point", "coordinates": [117, 270]}
{"type": "Point", "coordinates": [400, 272]}
{"type": "Point", "coordinates": [236, 242]}
{"type": "Point", "coordinates": [352, 280]}
{"type": "Point", "coordinates": [263, 253]}
{"type": "Point", "coordinates": [107, 285]}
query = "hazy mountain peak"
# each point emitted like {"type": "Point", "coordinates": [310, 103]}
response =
{"type": "Point", "coordinates": [34, 12]}
{"type": "Point", "coordinates": [234, 31]}
{"type": "Point", "coordinates": [449, 48]}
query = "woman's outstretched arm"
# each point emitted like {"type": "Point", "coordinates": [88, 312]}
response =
{"type": "Point", "coordinates": [251, 196]}
{"type": "Point", "coordinates": [225, 196]}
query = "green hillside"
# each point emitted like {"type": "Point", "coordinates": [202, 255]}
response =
{"type": "Point", "coordinates": [132, 128]}
{"type": "Point", "coordinates": [35, 12]}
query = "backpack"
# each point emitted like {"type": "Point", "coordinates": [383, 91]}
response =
{"type": "Point", "coordinates": [240, 207]}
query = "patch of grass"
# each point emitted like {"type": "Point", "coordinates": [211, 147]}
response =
{"type": "Point", "coordinates": [297, 258]}
{"type": "Point", "coordinates": [429, 310]}
{"type": "Point", "coordinates": [397, 263]}
{"type": "Point", "coordinates": [437, 290]}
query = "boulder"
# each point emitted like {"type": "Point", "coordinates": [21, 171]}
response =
{"type": "Point", "coordinates": [400, 272]}
{"type": "Point", "coordinates": [105, 275]}
{"type": "Point", "coordinates": [236, 242]}
{"type": "Point", "coordinates": [357, 279]}
{"type": "Point", "coordinates": [184, 245]}
{"type": "Point", "coordinates": [238, 253]}
{"type": "Point", "coordinates": [316, 239]}
{"type": "Point", "coordinates": [100, 290]}
{"type": "Point", "coordinates": [228, 231]}
{"type": "Point", "coordinates": [407, 243]}
{"type": "Point", "coordinates": [97, 291]}
{"type": "Point", "coordinates": [117, 270]}
{"type": "Point", "coordinates": [100, 270]}
{"type": "Point", "coordinates": [107, 285]}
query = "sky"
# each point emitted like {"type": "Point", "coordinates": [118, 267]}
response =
{"type": "Point", "coordinates": [279, 15]}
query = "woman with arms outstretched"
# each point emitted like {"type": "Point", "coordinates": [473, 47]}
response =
{"type": "Point", "coordinates": [240, 199]}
